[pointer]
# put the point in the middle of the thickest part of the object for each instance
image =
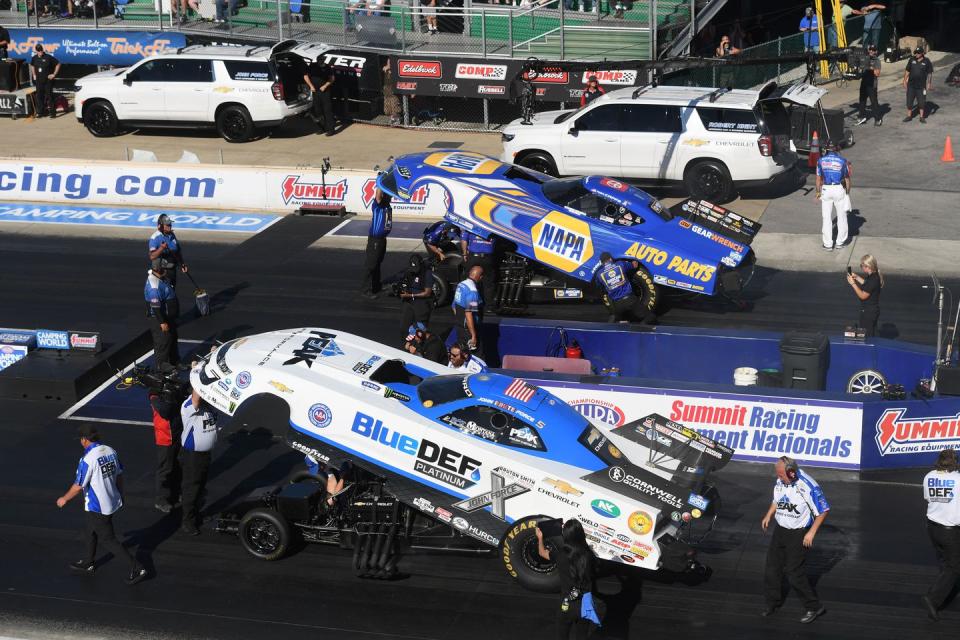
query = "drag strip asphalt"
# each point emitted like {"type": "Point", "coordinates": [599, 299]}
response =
{"type": "Point", "coordinates": [871, 559]}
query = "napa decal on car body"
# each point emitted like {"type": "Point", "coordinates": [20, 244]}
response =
{"type": "Point", "coordinates": [562, 241]}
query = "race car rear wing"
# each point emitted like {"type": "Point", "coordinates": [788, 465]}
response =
{"type": "Point", "coordinates": [636, 483]}
{"type": "Point", "coordinates": [716, 218]}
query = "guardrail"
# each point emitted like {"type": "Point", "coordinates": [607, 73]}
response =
{"type": "Point", "coordinates": [407, 26]}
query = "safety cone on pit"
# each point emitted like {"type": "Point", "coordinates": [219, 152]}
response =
{"type": "Point", "coordinates": [814, 154]}
{"type": "Point", "coordinates": [947, 152]}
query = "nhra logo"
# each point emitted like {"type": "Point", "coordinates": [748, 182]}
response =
{"type": "Point", "coordinates": [562, 241]}
{"type": "Point", "coordinates": [419, 69]}
{"type": "Point", "coordinates": [896, 435]}
{"type": "Point", "coordinates": [469, 71]}
{"type": "Point", "coordinates": [612, 77]}
{"type": "Point", "coordinates": [294, 190]}
{"type": "Point", "coordinates": [600, 411]}
{"type": "Point", "coordinates": [419, 195]}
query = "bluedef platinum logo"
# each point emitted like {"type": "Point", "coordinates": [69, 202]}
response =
{"type": "Point", "coordinates": [320, 415]}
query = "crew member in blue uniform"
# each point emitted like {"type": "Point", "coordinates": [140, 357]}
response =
{"type": "Point", "coordinates": [614, 277]}
{"type": "Point", "coordinates": [941, 489]}
{"type": "Point", "coordinates": [833, 190]}
{"type": "Point", "coordinates": [197, 442]}
{"type": "Point", "coordinates": [437, 235]}
{"type": "Point", "coordinates": [99, 479]}
{"type": "Point", "coordinates": [468, 309]}
{"type": "Point", "coordinates": [380, 224]}
{"type": "Point", "coordinates": [800, 508]}
{"type": "Point", "coordinates": [163, 244]}
{"type": "Point", "coordinates": [479, 250]}
{"type": "Point", "coordinates": [416, 293]}
{"type": "Point", "coordinates": [163, 311]}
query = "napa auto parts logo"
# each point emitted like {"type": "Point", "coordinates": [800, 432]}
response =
{"type": "Point", "coordinates": [600, 411]}
{"type": "Point", "coordinates": [294, 190]}
{"type": "Point", "coordinates": [612, 77]}
{"type": "Point", "coordinates": [896, 435]}
{"type": "Point", "coordinates": [419, 68]}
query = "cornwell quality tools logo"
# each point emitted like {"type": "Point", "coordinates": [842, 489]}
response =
{"type": "Point", "coordinates": [896, 435]}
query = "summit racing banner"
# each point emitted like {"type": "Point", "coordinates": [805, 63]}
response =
{"type": "Point", "coordinates": [910, 433]}
{"type": "Point", "coordinates": [824, 433]}
{"type": "Point", "coordinates": [73, 46]}
{"type": "Point", "coordinates": [125, 187]}
{"type": "Point", "coordinates": [496, 79]}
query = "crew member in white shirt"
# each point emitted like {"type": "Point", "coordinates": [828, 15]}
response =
{"type": "Point", "coordinates": [800, 508]}
{"type": "Point", "coordinates": [99, 479]}
{"type": "Point", "coordinates": [462, 361]}
{"type": "Point", "coordinates": [197, 441]}
{"type": "Point", "coordinates": [940, 489]}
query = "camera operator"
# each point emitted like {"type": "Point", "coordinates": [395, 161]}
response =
{"type": "Point", "coordinates": [420, 341]}
{"type": "Point", "coordinates": [165, 402]}
{"type": "Point", "coordinates": [868, 88]}
{"type": "Point", "coordinates": [415, 293]}
{"type": "Point", "coordinates": [867, 289]}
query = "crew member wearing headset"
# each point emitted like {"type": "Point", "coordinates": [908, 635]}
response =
{"type": "Point", "coordinates": [416, 293]}
{"type": "Point", "coordinates": [163, 244]}
{"type": "Point", "coordinates": [198, 440]}
{"type": "Point", "coordinates": [163, 309]}
{"type": "Point", "coordinates": [800, 508]}
{"type": "Point", "coordinates": [941, 489]}
{"type": "Point", "coordinates": [478, 250]}
{"type": "Point", "coordinates": [614, 277]}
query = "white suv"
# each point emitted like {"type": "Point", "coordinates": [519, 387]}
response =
{"type": "Point", "coordinates": [713, 141]}
{"type": "Point", "coordinates": [238, 90]}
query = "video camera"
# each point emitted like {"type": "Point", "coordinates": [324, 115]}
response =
{"type": "Point", "coordinates": [168, 386]}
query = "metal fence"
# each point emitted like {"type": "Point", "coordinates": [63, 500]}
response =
{"type": "Point", "coordinates": [746, 77]}
{"type": "Point", "coordinates": [549, 29]}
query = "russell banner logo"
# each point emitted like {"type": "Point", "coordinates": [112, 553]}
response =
{"type": "Point", "coordinates": [896, 435]}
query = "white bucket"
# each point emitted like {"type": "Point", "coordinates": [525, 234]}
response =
{"type": "Point", "coordinates": [745, 377]}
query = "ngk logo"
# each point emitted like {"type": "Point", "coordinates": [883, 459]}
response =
{"type": "Point", "coordinates": [611, 77]}
{"type": "Point", "coordinates": [469, 71]}
{"type": "Point", "coordinates": [294, 190]}
{"type": "Point", "coordinates": [419, 69]}
{"type": "Point", "coordinates": [419, 195]}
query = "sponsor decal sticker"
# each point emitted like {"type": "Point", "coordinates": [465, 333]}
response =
{"type": "Point", "coordinates": [562, 241]}
{"type": "Point", "coordinates": [419, 68]}
{"type": "Point", "coordinates": [472, 71]}
{"type": "Point", "coordinates": [605, 508]}
{"type": "Point", "coordinates": [613, 184]}
{"type": "Point", "coordinates": [496, 498]}
{"type": "Point", "coordinates": [84, 341]}
{"type": "Point", "coordinates": [279, 386]}
{"type": "Point", "coordinates": [492, 89]}
{"type": "Point", "coordinates": [406, 86]}
{"type": "Point", "coordinates": [47, 339]}
{"type": "Point", "coordinates": [600, 411]}
{"type": "Point", "coordinates": [446, 87]}
{"type": "Point", "coordinates": [460, 524]}
{"type": "Point", "coordinates": [563, 487]}
{"type": "Point", "coordinates": [319, 344]}
{"type": "Point", "coordinates": [294, 191]}
{"type": "Point", "coordinates": [549, 76]}
{"type": "Point", "coordinates": [11, 353]}
{"type": "Point", "coordinates": [640, 523]}
{"type": "Point", "coordinates": [899, 435]}
{"type": "Point", "coordinates": [623, 77]}
{"type": "Point", "coordinates": [244, 379]}
{"type": "Point", "coordinates": [373, 386]}
{"type": "Point", "coordinates": [320, 415]}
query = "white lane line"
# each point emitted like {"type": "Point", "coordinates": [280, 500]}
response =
{"type": "Point", "coordinates": [68, 414]}
{"type": "Point", "coordinates": [109, 420]}
{"type": "Point", "coordinates": [333, 231]}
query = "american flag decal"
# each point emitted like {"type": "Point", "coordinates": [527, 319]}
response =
{"type": "Point", "coordinates": [520, 390]}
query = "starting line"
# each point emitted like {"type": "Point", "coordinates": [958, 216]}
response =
{"type": "Point", "coordinates": [113, 405]}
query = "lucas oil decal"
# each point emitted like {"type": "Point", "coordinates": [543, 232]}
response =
{"type": "Point", "coordinates": [562, 241]}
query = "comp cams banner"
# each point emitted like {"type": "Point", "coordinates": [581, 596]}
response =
{"type": "Point", "coordinates": [760, 428]}
{"type": "Point", "coordinates": [73, 46]}
{"type": "Point", "coordinates": [179, 186]}
{"type": "Point", "coordinates": [496, 79]}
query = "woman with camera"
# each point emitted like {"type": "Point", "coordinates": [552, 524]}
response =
{"type": "Point", "coordinates": [577, 566]}
{"type": "Point", "coordinates": [867, 289]}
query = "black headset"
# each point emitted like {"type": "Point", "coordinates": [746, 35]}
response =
{"type": "Point", "coordinates": [790, 467]}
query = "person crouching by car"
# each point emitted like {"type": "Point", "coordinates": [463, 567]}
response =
{"type": "Point", "coordinates": [614, 277]}
{"type": "Point", "coordinates": [420, 341]}
{"type": "Point", "coordinates": [577, 566]}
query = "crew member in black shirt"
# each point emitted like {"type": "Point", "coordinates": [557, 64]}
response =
{"type": "Point", "coordinates": [320, 78]}
{"type": "Point", "coordinates": [867, 288]}
{"type": "Point", "coordinates": [4, 42]}
{"type": "Point", "coordinates": [917, 80]}
{"type": "Point", "coordinates": [44, 69]}
{"type": "Point", "coordinates": [868, 87]}
{"type": "Point", "coordinates": [416, 293]}
{"type": "Point", "coordinates": [577, 567]}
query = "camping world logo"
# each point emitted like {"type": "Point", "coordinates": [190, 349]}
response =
{"type": "Point", "coordinates": [896, 435]}
{"type": "Point", "coordinates": [600, 411]}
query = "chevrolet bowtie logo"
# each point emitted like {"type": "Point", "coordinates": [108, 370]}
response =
{"type": "Point", "coordinates": [495, 498]}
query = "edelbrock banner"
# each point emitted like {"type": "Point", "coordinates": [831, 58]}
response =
{"type": "Point", "coordinates": [179, 186]}
{"type": "Point", "coordinates": [822, 433]}
{"type": "Point", "coordinates": [74, 46]}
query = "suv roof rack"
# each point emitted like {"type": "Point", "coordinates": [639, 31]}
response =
{"type": "Point", "coordinates": [641, 90]}
{"type": "Point", "coordinates": [716, 93]}
{"type": "Point", "coordinates": [190, 47]}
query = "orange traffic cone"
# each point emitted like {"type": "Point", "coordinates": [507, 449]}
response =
{"type": "Point", "coordinates": [947, 152]}
{"type": "Point", "coordinates": [814, 154]}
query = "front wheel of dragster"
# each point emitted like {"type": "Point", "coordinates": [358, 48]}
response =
{"type": "Point", "coordinates": [265, 534]}
{"type": "Point", "coordinates": [523, 562]}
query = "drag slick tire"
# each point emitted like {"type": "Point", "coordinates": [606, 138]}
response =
{"type": "Point", "coordinates": [646, 289]}
{"type": "Point", "coordinates": [101, 120]}
{"type": "Point", "coordinates": [522, 561]}
{"type": "Point", "coordinates": [265, 534]}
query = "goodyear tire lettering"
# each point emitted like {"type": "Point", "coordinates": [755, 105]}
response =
{"type": "Point", "coordinates": [648, 289]}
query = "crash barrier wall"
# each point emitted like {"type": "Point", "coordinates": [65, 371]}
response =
{"type": "Point", "coordinates": [188, 186]}
{"type": "Point", "coordinates": [549, 30]}
{"type": "Point", "coordinates": [687, 374]}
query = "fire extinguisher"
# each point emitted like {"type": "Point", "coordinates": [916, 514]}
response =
{"type": "Point", "coordinates": [574, 350]}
